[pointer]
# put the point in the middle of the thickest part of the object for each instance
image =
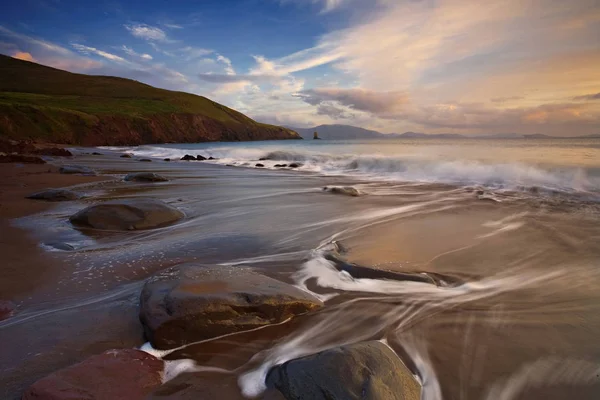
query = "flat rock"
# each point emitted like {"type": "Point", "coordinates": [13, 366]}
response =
{"type": "Point", "coordinates": [126, 155]}
{"type": "Point", "coordinates": [345, 190]}
{"type": "Point", "coordinates": [366, 371]}
{"type": "Point", "coordinates": [145, 177]}
{"type": "Point", "coordinates": [189, 303]}
{"type": "Point", "coordinates": [21, 158]}
{"type": "Point", "coordinates": [76, 169]}
{"type": "Point", "coordinates": [259, 165]}
{"type": "Point", "coordinates": [115, 374]}
{"type": "Point", "coordinates": [55, 195]}
{"type": "Point", "coordinates": [295, 165]}
{"type": "Point", "coordinates": [127, 214]}
{"type": "Point", "coordinates": [145, 160]}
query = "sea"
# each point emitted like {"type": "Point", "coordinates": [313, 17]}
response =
{"type": "Point", "coordinates": [508, 231]}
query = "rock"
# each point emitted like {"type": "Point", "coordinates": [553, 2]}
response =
{"type": "Point", "coordinates": [167, 159]}
{"type": "Point", "coordinates": [366, 371]}
{"type": "Point", "coordinates": [115, 374]}
{"type": "Point", "coordinates": [127, 214]}
{"type": "Point", "coordinates": [345, 190]}
{"type": "Point", "coordinates": [259, 165]}
{"type": "Point", "coordinates": [54, 152]}
{"type": "Point", "coordinates": [7, 308]}
{"type": "Point", "coordinates": [97, 154]}
{"type": "Point", "coordinates": [55, 195]}
{"type": "Point", "coordinates": [295, 165]}
{"type": "Point", "coordinates": [126, 155]}
{"type": "Point", "coordinates": [76, 169]}
{"type": "Point", "coordinates": [20, 158]}
{"type": "Point", "coordinates": [190, 303]}
{"type": "Point", "coordinates": [200, 158]}
{"type": "Point", "coordinates": [212, 158]}
{"type": "Point", "coordinates": [263, 159]}
{"type": "Point", "coordinates": [145, 177]}
{"type": "Point", "coordinates": [280, 165]}
{"type": "Point", "coordinates": [188, 157]}
{"type": "Point", "coordinates": [145, 160]}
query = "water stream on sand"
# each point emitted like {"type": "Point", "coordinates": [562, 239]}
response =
{"type": "Point", "coordinates": [510, 238]}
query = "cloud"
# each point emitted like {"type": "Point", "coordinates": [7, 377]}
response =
{"type": "Point", "coordinates": [506, 99]}
{"type": "Point", "coordinates": [147, 32]}
{"type": "Point", "coordinates": [92, 50]}
{"type": "Point", "coordinates": [228, 66]}
{"type": "Point", "coordinates": [326, 5]}
{"type": "Point", "coordinates": [229, 78]}
{"type": "Point", "coordinates": [587, 97]}
{"type": "Point", "coordinates": [133, 53]}
{"type": "Point", "coordinates": [172, 26]}
{"type": "Point", "coordinates": [377, 103]}
{"type": "Point", "coordinates": [21, 55]}
{"type": "Point", "coordinates": [194, 52]}
{"type": "Point", "coordinates": [333, 111]}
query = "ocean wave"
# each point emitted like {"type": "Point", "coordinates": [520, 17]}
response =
{"type": "Point", "coordinates": [510, 175]}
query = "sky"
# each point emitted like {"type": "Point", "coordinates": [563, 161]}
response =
{"type": "Point", "coordinates": [433, 66]}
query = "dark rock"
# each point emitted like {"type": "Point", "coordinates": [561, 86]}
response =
{"type": "Point", "coordinates": [190, 303]}
{"type": "Point", "coordinates": [145, 160]}
{"type": "Point", "coordinates": [145, 177]}
{"type": "Point", "coordinates": [212, 158]}
{"type": "Point", "coordinates": [200, 158]}
{"type": "Point", "coordinates": [345, 190]}
{"type": "Point", "coordinates": [20, 158]}
{"type": "Point", "coordinates": [167, 159]}
{"type": "Point", "coordinates": [263, 159]}
{"type": "Point", "coordinates": [281, 165]}
{"type": "Point", "coordinates": [188, 157]}
{"type": "Point", "coordinates": [366, 371]}
{"type": "Point", "coordinates": [127, 214]}
{"type": "Point", "coordinates": [54, 152]}
{"type": "Point", "coordinates": [295, 165]}
{"type": "Point", "coordinates": [97, 154]}
{"type": "Point", "coordinates": [115, 374]}
{"type": "Point", "coordinates": [259, 165]}
{"type": "Point", "coordinates": [126, 155]}
{"type": "Point", "coordinates": [76, 169]}
{"type": "Point", "coordinates": [55, 195]}
{"type": "Point", "coordinates": [7, 308]}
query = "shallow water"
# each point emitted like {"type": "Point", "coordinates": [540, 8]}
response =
{"type": "Point", "coordinates": [510, 235]}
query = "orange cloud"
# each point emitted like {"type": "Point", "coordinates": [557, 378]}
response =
{"type": "Point", "coordinates": [21, 55]}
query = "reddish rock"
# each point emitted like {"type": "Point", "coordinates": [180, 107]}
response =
{"type": "Point", "coordinates": [115, 374]}
{"type": "Point", "coordinates": [20, 158]}
{"type": "Point", "coordinates": [53, 151]}
{"type": "Point", "coordinates": [7, 309]}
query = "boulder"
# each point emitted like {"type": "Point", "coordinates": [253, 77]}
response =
{"type": "Point", "coordinates": [188, 157]}
{"type": "Point", "coordinates": [76, 169]}
{"type": "Point", "coordinates": [167, 159]}
{"type": "Point", "coordinates": [280, 165]}
{"type": "Point", "coordinates": [295, 165]}
{"type": "Point", "coordinates": [259, 165]}
{"type": "Point", "coordinates": [126, 155]}
{"type": "Point", "coordinates": [212, 158]}
{"type": "Point", "coordinates": [127, 214]}
{"type": "Point", "coordinates": [366, 371]}
{"type": "Point", "coordinates": [200, 158]}
{"type": "Point", "coordinates": [115, 374]}
{"type": "Point", "coordinates": [20, 158]}
{"type": "Point", "coordinates": [145, 177]}
{"type": "Point", "coordinates": [7, 309]}
{"type": "Point", "coordinates": [145, 160]}
{"type": "Point", "coordinates": [189, 303]}
{"type": "Point", "coordinates": [54, 152]}
{"type": "Point", "coordinates": [55, 195]}
{"type": "Point", "coordinates": [96, 153]}
{"type": "Point", "coordinates": [263, 159]}
{"type": "Point", "coordinates": [345, 190]}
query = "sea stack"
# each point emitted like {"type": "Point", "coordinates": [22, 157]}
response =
{"type": "Point", "coordinates": [316, 136]}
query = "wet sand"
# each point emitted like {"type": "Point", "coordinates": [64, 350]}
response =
{"type": "Point", "coordinates": [538, 309]}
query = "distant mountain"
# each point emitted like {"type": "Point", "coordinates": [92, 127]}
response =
{"type": "Point", "coordinates": [346, 132]}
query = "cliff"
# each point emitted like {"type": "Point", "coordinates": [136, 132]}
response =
{"type": "Point", "coordinates": [51, 105]}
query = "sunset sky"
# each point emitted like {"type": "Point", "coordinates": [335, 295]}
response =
{"type": "Point", "coordinates": [432, 66]}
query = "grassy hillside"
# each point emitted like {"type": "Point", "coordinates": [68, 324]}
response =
{"type": "Point", "coordinates": [45, 103]}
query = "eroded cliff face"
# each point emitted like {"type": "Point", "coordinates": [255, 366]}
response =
{"type": "Point", "coordinates": [62, 126]}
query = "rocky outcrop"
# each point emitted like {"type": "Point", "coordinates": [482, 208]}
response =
{"type": "Point", "coordinates": [190, 303]}
{"type": "Point", "coordinates": [20, 158]}
{"type": "Point", "coordinates": [76, 169]}
{"type": "Point", "coordinates": [344, 190]}
{"type": "Point", "coordinates": [55, 195]}
{"type": "Point", "coordinates": [127, 214]}
{"type": "Point", "coordinates": [366, 371]}
{"type": "Point", "coordinates": [7, 309]}
{"type": "Point", "coordinates": [116, 374]}
{"type": "Point", "coordinates": [145, 177]}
